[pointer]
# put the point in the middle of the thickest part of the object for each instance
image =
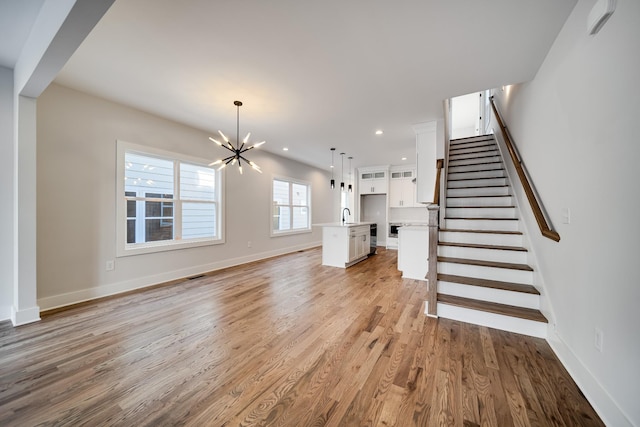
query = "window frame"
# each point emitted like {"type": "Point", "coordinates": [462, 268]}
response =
{"type": "Point", "coordinates": [272, 213]}
{"type": "Point", "coordinates": [123, 248]}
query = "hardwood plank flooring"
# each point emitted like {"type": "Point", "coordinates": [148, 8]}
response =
{"type": "Point", "coordinates": [286, 342]}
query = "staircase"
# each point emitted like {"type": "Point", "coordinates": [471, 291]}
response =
{"type": "Point", "coordinates": [483, 275]}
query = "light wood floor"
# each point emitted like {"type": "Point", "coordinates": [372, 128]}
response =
{"type": "Point", "coordinates": [280, 342]}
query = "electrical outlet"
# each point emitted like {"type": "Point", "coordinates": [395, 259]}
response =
{"type": "Point", "coordinates": [110, 265]}
{"type": "Point", "coordinates": [598, 339]}
{"type": "Point", "coordinates": [249, 244]}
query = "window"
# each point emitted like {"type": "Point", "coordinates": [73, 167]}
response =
{"type": "Point", "coordinates": [165, 201]}
{"type": "Point", "coordinates": [291, 207]}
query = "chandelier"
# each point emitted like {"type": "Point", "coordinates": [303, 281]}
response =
{"type": "Point", "coordinates": [237, 149]}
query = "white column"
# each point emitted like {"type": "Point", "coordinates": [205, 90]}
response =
{"type": "Point", "coordinates": [426, 160]}
{"type": "Point", "coordinates": [25, 308]}
{"type": "Point", "coordinates": [6, 192]}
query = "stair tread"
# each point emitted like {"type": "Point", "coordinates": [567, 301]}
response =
{"type": "Point", "coordinates": [474, 152]}
{"type": "Point", "coordinates": [462, 230]}
{"type": "Point", "coordinates": [496, 162]}
{"type": "Point", "coordinates": [471, 187]}
{"type": "Point", "coordinates": [479, 246]}
{"type": "Point", "coordinates": [488, 144]}
{"type": "Point", "coordinates": [479, 158]}
{"type": "Point", "coordinates": [480, 207]}
{"type": "Point", "coordinates": [476, 179]}
{"type": "Point", "coordinates": [483, 263]}
{"type": "Point", "coordinates": [477, 219]}
{"type": "Point", "coordinates": [492, 307]}
{"type": "Point", "coordinates": [474, 171]}
{"type": "Point", "coordinates": [479, 195]}
{"type": "Point", "coordinates": [486, 283]}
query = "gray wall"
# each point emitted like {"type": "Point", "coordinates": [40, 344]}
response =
{"type": "Point", "coordinates": [76, 198]}
{"type": "Point", "coordinates": [575, 126]}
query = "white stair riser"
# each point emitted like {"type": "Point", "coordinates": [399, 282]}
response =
{"type": "Point", "coordinates": [482, 191]}
{"type": "Point", "coordinates": [467, 144]}
{"type": "Point", "coordinates": [498, 255]}
{"type": "Point", "coordinates": [481, 238]}
{"type": "Point", "coordinates": [474, 168]}
{"type": "Point", "coordinates": [482, 224]}
{"type": "Point", "coordinates": [479, 201]}
{"type": "Point", "coordinates": [476, 148]}
{"type": "Point", "coordinates": [477, 182]}
{"type": "Point", "coordinates": [500, 296]}
{"type": "Point", "coordinates": [476, 175]}
{"type": "Point", "coordinates": [492, 212]}
{"type": "Point", "coordinates": [491, 320]}
{"type": "Point", "coordinates": [489, 273]}
{"type": "Point", "coordinates": [482, 155]}
{"type": "Point", "coordinates": [473, 160]}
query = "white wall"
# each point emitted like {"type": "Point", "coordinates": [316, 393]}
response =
{"type": "Point", "coordinates": [76, 157]}
{"type": "Point", "coordinates": [575, 126]}
{"type": "Point", "coordinates": [465, 111]}
{"type": "Point", "coordinates": [6, 192]}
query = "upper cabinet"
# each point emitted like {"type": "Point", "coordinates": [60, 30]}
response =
{"type": "Point", "coordinates": [402, 188]}
{"type": "Point", "coordinates": [373, 180]}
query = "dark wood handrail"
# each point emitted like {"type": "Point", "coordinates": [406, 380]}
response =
{"type": "Point", "coordinates": [528, 190]}
{"type": "Point", "coordinates": [436, 192]}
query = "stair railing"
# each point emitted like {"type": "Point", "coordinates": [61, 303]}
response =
{"type": "Point", "coordinates": [528, 189]}
{"type": "Point", "coordinates": [436, 190]}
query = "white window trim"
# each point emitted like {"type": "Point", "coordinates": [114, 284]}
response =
{"type": "Point", "coordinates": [121, 206]}
{"type": "Point", "coordinates": [289, 232]}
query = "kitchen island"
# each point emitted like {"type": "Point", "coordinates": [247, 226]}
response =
{"type": "Point", "coordinates": [345, 244]}
{"type": "Point", "coordinates": [413, 251]}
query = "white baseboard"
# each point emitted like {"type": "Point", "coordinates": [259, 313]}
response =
{"type": "Point", "coordinates": [602, 402]}
{"type": "Point", "coordinates": [27, 315]}
{"type": "Point", "coordinates": [87, 294]}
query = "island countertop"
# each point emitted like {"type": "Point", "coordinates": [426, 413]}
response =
{"type": "Point", "coordinates": [343, 224]}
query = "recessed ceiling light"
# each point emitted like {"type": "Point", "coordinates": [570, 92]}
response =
{"type": "Point", "coordinates": [379, 132]}
{"type": "Point", "coordinates": [285, 149]}
{"type": "Point", "coordinates": [404, 158]}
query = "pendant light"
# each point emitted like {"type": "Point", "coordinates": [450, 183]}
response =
{"type": "Point", "coordinates": [333, 181]}
{"type": "Point", "coordinates": [342, 173]}
{"type": "Point", "coordinates": [237, 149]}
{"type": "Point", "coordinates": [350, 186]}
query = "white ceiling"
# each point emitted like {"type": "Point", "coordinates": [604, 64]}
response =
{"type": "Point", "coordinates": [312, 75]}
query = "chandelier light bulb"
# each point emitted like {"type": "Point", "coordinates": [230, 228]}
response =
{"type": "Point", "coordinates": [239, 149]}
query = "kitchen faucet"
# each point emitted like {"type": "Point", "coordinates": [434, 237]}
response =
{"type": "Point", "coordinates": [343, 218]}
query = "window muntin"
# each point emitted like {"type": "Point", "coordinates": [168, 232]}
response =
{"type": "Point", "coordinates": [291, 207]}
{"type": "Point", "coordinates": [170, 201]}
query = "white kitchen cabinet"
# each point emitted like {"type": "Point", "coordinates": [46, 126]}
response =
{"type": "Point", "coordinates": [359, 239]}
{"type": "Point", "coordinates": [402, 189]}
{"type": "Point", "coordinates": [345, 245]}
{"type": "Point", "coordinates": [373, 181]}
{"type": "Point", "coordinates": [413, 252]}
